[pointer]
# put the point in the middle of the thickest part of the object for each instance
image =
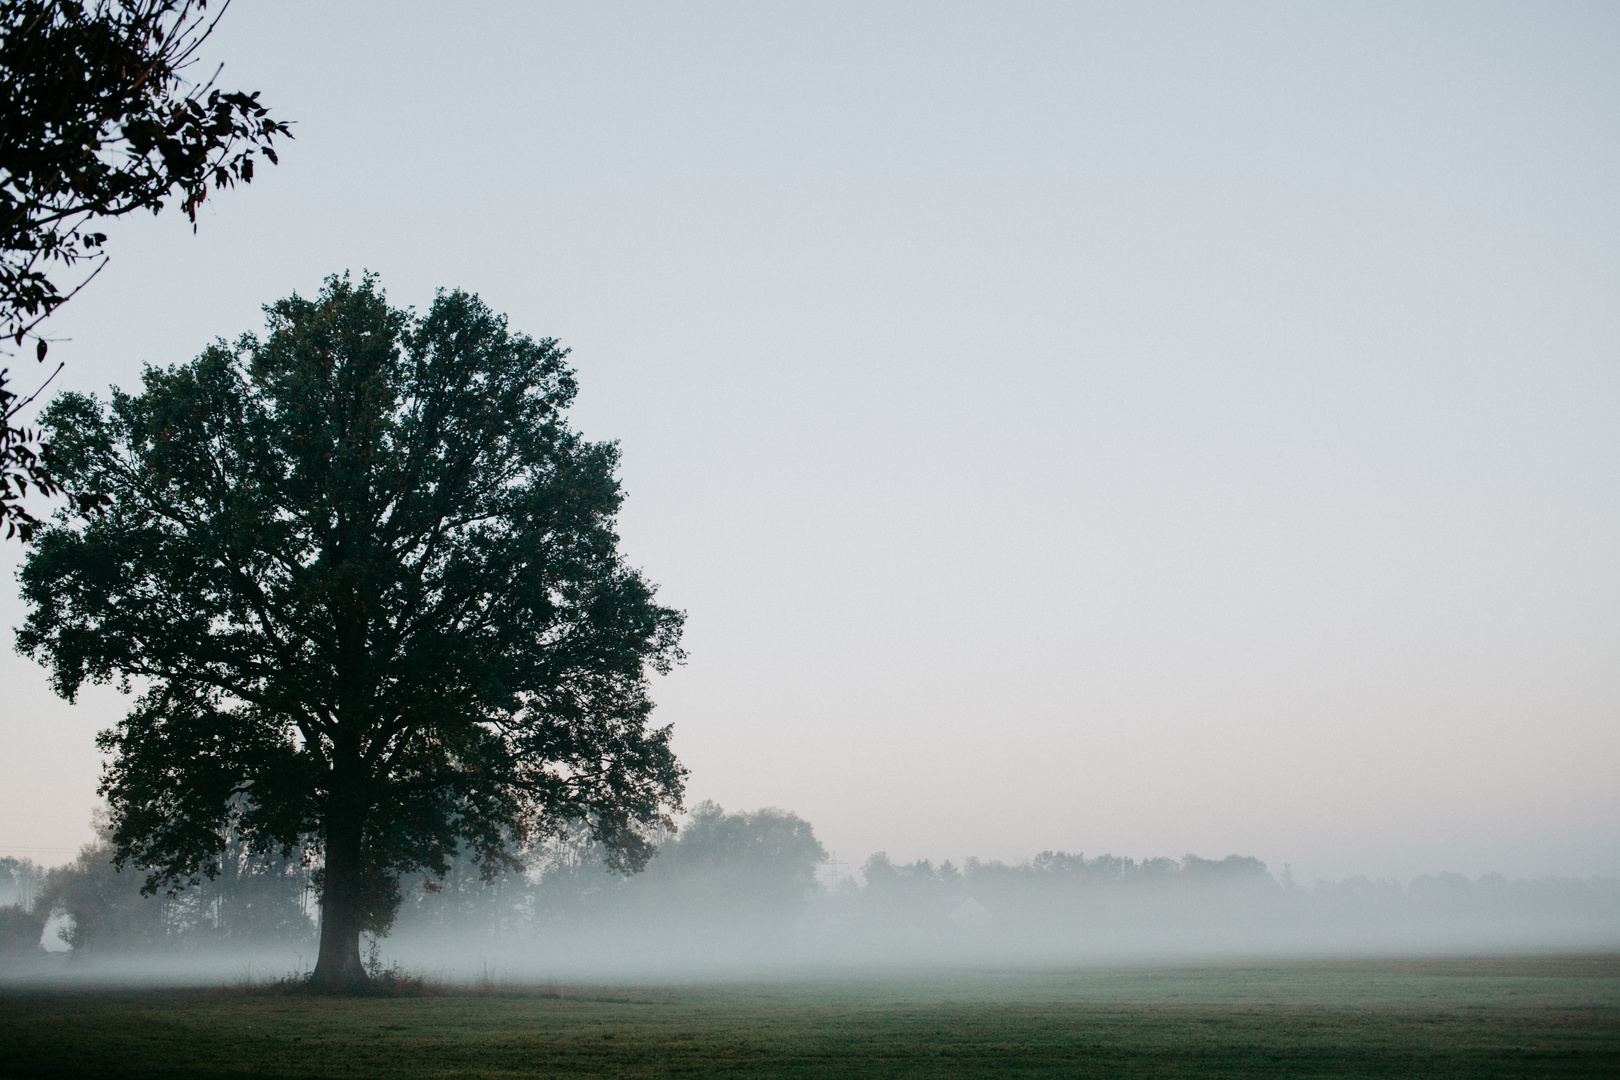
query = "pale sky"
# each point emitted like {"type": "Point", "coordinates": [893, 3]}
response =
{"type": "Point", "coordinates": [1112, 428]}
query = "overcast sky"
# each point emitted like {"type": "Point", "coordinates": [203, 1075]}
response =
{"type": "Point", "coordinates": [1128, 428]}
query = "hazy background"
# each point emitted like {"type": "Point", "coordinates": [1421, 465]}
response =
{"type": "Point", "coordinates": [1131, 428]}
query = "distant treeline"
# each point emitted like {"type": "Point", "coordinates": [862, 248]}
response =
{"type": "Point", "coordinates": [255, 899]}
{"type": "Point", "coordinates": [739, 888]}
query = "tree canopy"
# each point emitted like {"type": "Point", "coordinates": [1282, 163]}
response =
{"type": "Point", "coordinates": [98, 120]}
{"type": "Point", "coordinates": [368, 579]}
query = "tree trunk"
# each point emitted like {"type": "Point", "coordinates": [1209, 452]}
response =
{"type": "Point", "coordinates": [338, 966]}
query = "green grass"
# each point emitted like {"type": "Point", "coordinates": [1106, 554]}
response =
{"type": "Point", "coordinates": [1480, 1018]}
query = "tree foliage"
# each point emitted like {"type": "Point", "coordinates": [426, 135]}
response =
{"type": "Point", "coordinates": [256, 899]}
{"type": "Point", "coordinates": [19, 880]}
{"type": "Point", "coordinates": [20, 930]}
{"type": "Point", "coordinates": [368, 578]}
{"type": "Point", "coordinates": [98, 119]}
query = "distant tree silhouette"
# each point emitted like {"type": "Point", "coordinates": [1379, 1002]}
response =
{"type": "Point", "coordinates": [98, 120]}
{"type": "Point", "coordinates": [21, 920]}
{"type": "Point", "coordinates": [105, 910]}
{"type": "Point", "coordinates": [764, 860]}
{"type": "Point", "coordinates": [723, 875]}
{"type": "Point", "coordinates": [727, 876]}
{"type": "Point", "coordinates": [20, 929]}
{"type": "Point", "coordinates": [255, 898]}
{"type": "Point", "coordinates": [20, 880]}
{"type": "Point", "coordinates": [371, 579]}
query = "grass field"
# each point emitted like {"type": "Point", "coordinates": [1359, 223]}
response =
{"type": "Point", "coordinates": [1464, 1018]}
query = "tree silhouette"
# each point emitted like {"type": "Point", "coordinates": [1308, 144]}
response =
{"type": "Point", "coordinates": [98, 120]}
{"type": "Point", "coordinates": [369, 579]}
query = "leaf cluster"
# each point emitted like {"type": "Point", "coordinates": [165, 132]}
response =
{"type": "Point", "coordinates": [98, 119]}
{"type": "Point", "coordinates": [26, 461]}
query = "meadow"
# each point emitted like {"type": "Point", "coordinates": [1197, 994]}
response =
{"type": "Point", "coordinates": [1485, 1017]}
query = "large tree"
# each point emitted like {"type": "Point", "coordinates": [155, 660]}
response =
{"type": "Point", "coordinates": [367, 580]}
{"type": "Point", "coordinates": [98, 119]}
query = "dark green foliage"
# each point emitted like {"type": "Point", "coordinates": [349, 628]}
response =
{"type": "Point", "coordinates": [97, 120]}
{"type": "Point", "coordinates": [257, 898]}
{"type": "Point", "coordinates": [25, 462]}
{"type": "Point", "coordinates": [22, 920]}
{"type": "Point", "coordinates": [370, 578]}
{"type": "Point", "coordinates": [20, 930]}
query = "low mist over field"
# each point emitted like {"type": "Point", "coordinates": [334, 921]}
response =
{"type": "Point", "coordinates": [736, 894]}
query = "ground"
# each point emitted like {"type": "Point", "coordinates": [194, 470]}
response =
{"type": "Point", "coordinates": [1505, 1017]}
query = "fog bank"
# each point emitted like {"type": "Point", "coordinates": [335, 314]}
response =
{"type": "Point", "coordinates": [735, 894]}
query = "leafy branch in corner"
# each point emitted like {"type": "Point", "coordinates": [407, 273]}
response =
{"type": "Point", "coordinates": [98, 119]}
